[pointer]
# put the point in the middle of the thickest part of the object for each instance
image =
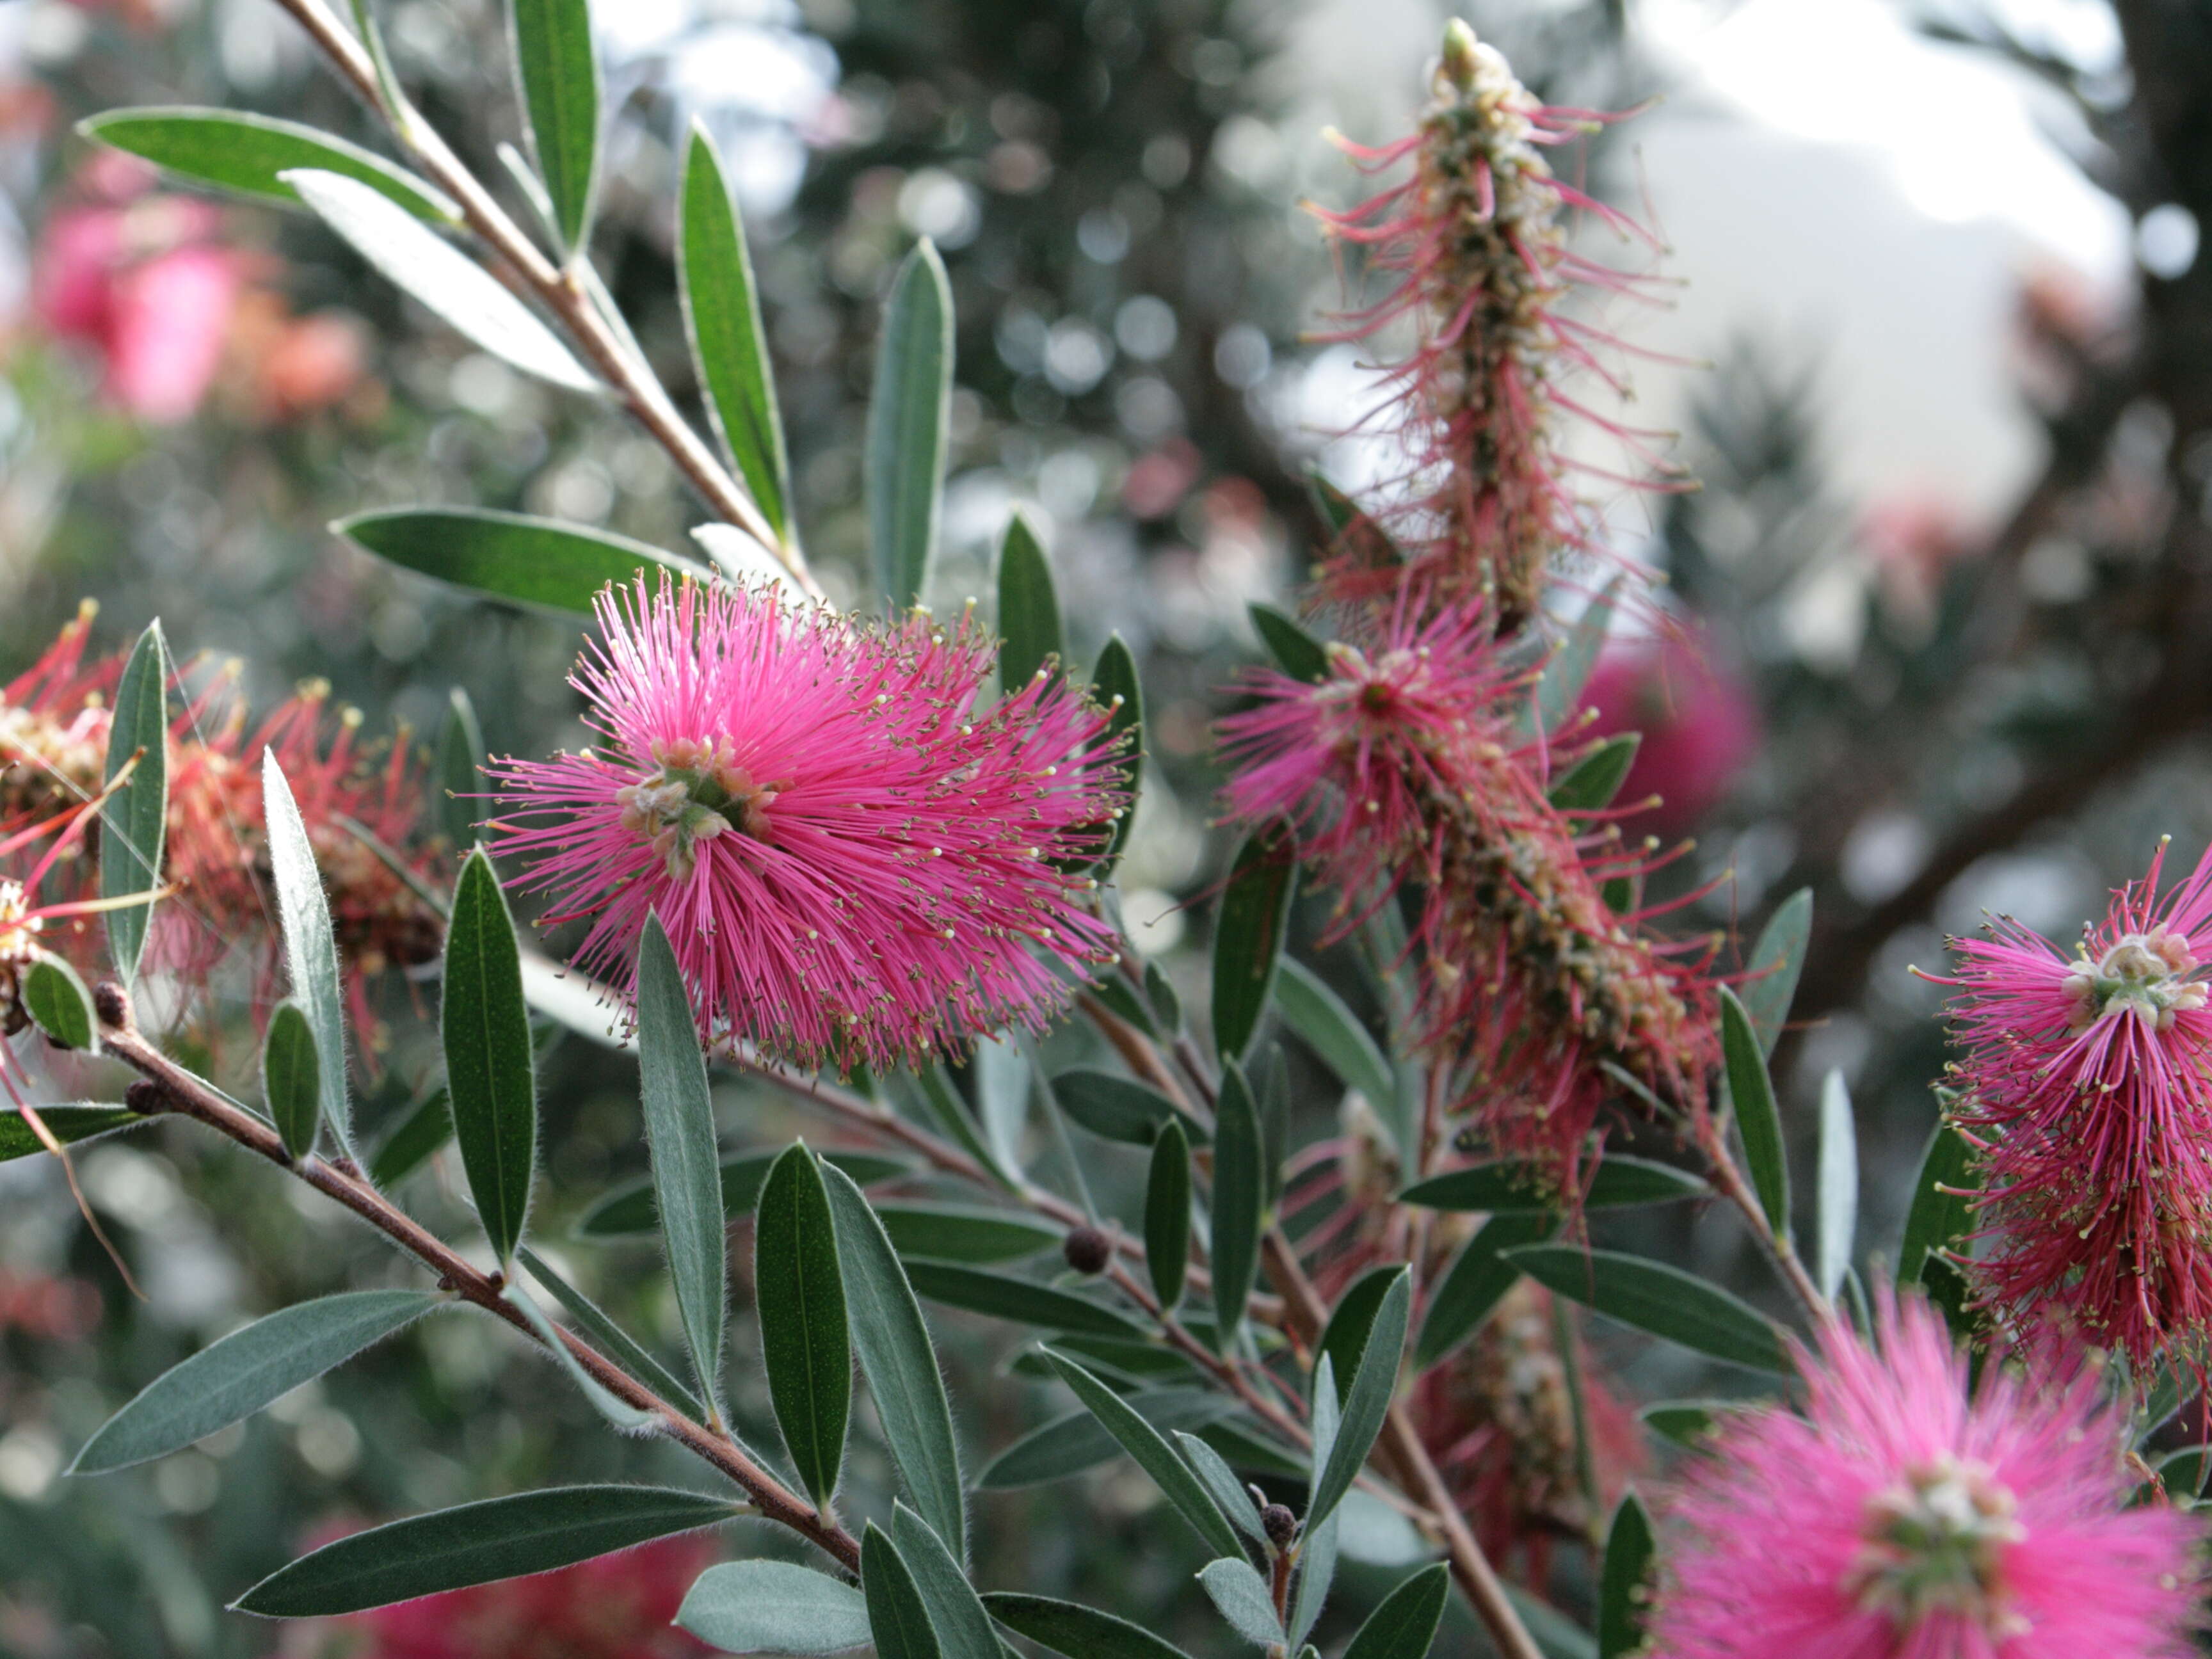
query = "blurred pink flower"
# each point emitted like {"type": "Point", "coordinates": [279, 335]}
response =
{"type": "Point", "coordinates": [1903, 1516]}
{"type": "Point", "coordinates": [1699, 725]}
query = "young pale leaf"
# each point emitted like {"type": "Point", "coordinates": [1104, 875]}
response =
{"type": "Point", "coordinates": [1770, 981]}
{"type": "Point", "coordinates": [1939, 1216]}
{"type": "Point", "coordinates": [1114, 687]}
{"type": "Point", "coordinates": [506, 555]}
{"type": "Point", "coordinates": [803, 1347]}
{"type": "Point", "coordinates": [1840, 1184]}
{"type": "Point", "coordinates": [1344, 1336]}
{"type": "Point", "coordinates": [458, 773]}
{"type": "Point", "coordinates": [1296, 652]}
{"type": "Point", "coordinates": [78, 1121]}
{"type": "Point", "coordinates": [1078, 1631]}
{"type": "Point", "coordinates": [560, 84]}
{"type": "Point", "coordinates": [1651, 1296]}
{"type": "Point", "coordinates": [1002, 1068]}
{"type": "Point", "coordinates": [942, 1101]}
{"type": "Point", "coordinates": [1152, 1454]}
{"type": "Point", "coordinates": [687, 1178]}
{"type": "Point", "coordinates": [1757, 1118]}
{"type": "Point", "coordinates": [1628, 1548]}
{"type": "Point", "coordinates": [1332, 1031]}
{"type": "Point", "coordinates": [629, 1211]}
{"type": "Point", "coordinates": [1596, 778]}
{"type": "Point", "coordinates": [1241, 1594]}
{"type": "Point", "coordinates": [413, 257]}
{"type": "Point", "coordinates": [1118, 1108]}
{"type": "Point", "coordinates": [963, 1629]}
{"type": "Point", "coordinates": [1229, 1494]}
{"type": "Point", "coordinates": [1367, 1401]}
{"type": "Point", "coordinates": [967, 1234]}
{"type": "Point", "coordinates": [1507, 1187]}
{"type": "Point", "coordinates": [1560, 687]}
{"type": "Point", "coordinates": [1069, 1445]}
{"type": "Point", "coordinates": [1405, 1626]}
{"type": "Point", "coordinates": [1167, 1217]}
{"type": "Point", "coordinates": [615, 1343]}
{"type": "Point", "coordinates": [904, 454]}
{"type": "Point", "coordinates": [898, 1361]}
{"type": "Point", "coordinates": [1029, 606]}
{"type": "Point", "coordinates": [476, 1544]}
{"type": "Point", "coordinates": [59, 1005]}
{"type": "Point", "coordinates": [230, 1379]}
{"type": "Point", "coordinates": [773, 1607]}
{"type": "Point", "coordinates": [1248, 938]}
{"type": "Point", "coordinates": [1317, 1552]}
{"type": "Point", "coordinates": [1478, 1281]}
{"type": "Point", "coordinates": [1684, 1422]}
{"type": "Point", "coordinates": [291, 1082]}
{"type": "Point", "coordinates": [1239, 1191]}
{"type": "Point", "coordinates": [491, 1070]}
{"type": "Point", "coordinates": [1024, 1301]}
{"type": "Point", "coordinates": [311, 951]}
{"type": "Point", "coordinates": [622, 1417]}
{"type": "Point", "coordinates": [721, 310]}
{"type": "Point", "coordinates": [898, 1618]}
{"type": "Point", "coordinates": [235, 150]}
{"type": "Point", "coordinates": [132, 823]}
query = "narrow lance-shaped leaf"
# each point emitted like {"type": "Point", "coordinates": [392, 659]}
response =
{"type": "Point", "coordinates": [722, 309]}
{"type": "Point", "coordinates": [1344, 1338]}
{"type": "Point", "coordinates": [1242, 1597]}
{"type": "Point", "coordinates": [1770, 980]}
{"type": "Point", "coordinates": [801, 1294]}
{"type": "Point", "coordinates": [773, 1607]}
{"type": "Point", "coordinates": [1367, 1401]}
{"type": "Point", "coordinates": [1478, 1281]}
{"type": "Point", "coordinates": [311, 951]}
{"type": "Point", "coordinates": [477, 1544]}
{"type": "Point", "coordinates": [1321, 1021]}
{"type": "Point", "coordinates": [1024, 1301]}
{"type": "Point", "coordinates": [956, 1612]}
{"type": "Point", "coordinates": [133, 821]}
{"type": "Point", "coordinates": [610, 1339]}
{"type": "Point", "coordinates": [1249, 926]}
{"type": "Point", "coordinates": [1029, 606]}
{"type": "Point", "coordinates": [1296, 651]}
{"type": "Point", "coordinates": [898, 1619]}
{"type": "Point", "coordinates": [618, 1414]}
{"type": "Point", "coordinates": [1167, 1217]}
{"type": "Point", "coordinates": [559, 74]}
{"type": "Point", "coordinates": [291, 1081]}
{"type": "Point", "coordinates": [1118, 1107]}
{"type": "Point", "coordinates": [629, 1211]}
{"type": "Point", "coordinates": [1318, 1531]}
{"type": "Point", "coordinates": [964, 1234]}
{"type": "Point", "coordinates": [1597, 777]}
{"type": "Point", "coordinates": [1405, 1626]}
{"type": "Point", "coordinates": [1078, 1631]}
{"type": "Point", "coordinates": [1114, 687]}
{"type": "Point", "coordinates": [687, 1172]}
{"type": "Point", "coordinates": [1152, 1454]}
{"type": "Point", "coordinates": [238, 150]}
{"type": "Point", "coordinates": [1507, 1186]}
{"type": "Point", "coordinates": [69, 1123]}
{"type": "Point", "coordinates": [1069, 1444]}
{"type": "Point", "coordinates": [1002, 1070]}
{"type": "Point", "coordinates": [1229, 1494]}
{"type": "Point", "coordinates": [54, 996]}
{"type": "Point", "coordinates": [1840, 1184]}
{"type": "Point", "coordinates": [458, 773]}
{"type": "Point", "coordinates": [1939, 1215]}
{"type": "Point", "coordinates": [1628, 1548]}
{"type": "Point", "coordinates": [1239, 1184]}
{"type": "Point", "coordinates": [491, 1071]}
{"type": "Point", "coordinates": [1651, 1296]}
{"type": "Point", "coordinates": [1757, 1118]}
{"type": "Point", "coordinates": [230, 1379]}
{"type": "Point", "coordinates": [903, 452]}
{"type": "Point", "coordinates": [539, 562]}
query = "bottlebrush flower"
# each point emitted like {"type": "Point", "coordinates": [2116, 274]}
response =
{"type": "Point", "coordinates": [1902, 1517]}
{"type": "Point", "coordinates": [1484, 270]}
{"type": "Point", "coordinates": [1404, 766]}
{"type": "Point", "coordinates": [2084, 1080]}
{"type": "Point", "coordinates": [853, 860]}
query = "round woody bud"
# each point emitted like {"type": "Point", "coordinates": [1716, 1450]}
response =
{"type": "Point", "coordinates": [1279, 1524]}
{"type": "Point", "coordinates": [145, 1096]}
{"type": "Point", "coordinates": [111, 1003]}
{"type": "Point", "coordinates": [1088, 1250]}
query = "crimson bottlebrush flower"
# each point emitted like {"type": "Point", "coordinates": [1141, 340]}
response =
{"type": "Point", "coordinates": [1404, 767]}
{"type": "Point", "coordinates": [2085, 1082]}
{"type": "Point", "coordinates": [1483, 268]}
{"type": "Point", "coordinates": [1903, 1516]}
{"type": "Point", "coordinates": [854, 861]}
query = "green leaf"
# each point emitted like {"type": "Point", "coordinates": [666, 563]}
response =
{"type": "Point", "coordinates": [1221, 1484]}
{"type": "Point", "coordinates": [415, 259]}
{"type": "Point", "coordinates": [1652, 1296]}
{"type": "Point", "coordinates": [773, 1607]}
{"type": "Point", "coordinates": [898, 1618]}
{"type": "Point", "coordinates": [1405, 1626]}
{"type": "Point", "coordinates": [1317, 1015]}
{"type": "Point", "coordinates": [1940, 1216]}
{"type": "Point", "coordinates": [1596, 779]}
{"type": "Point", "coordinates": [1628, 1550]}
{"type": "Point", "coordinates": [1296, 651]}
{"type": "Point", "coordinates": [491, 1071]}
{"type": "Point", "coordinates": [1839, 1185]}
{"type": "Point", "coordinates": [1771, 981]}
{"type": "Point", "coordinates": [1078, 1631]}
{"type": "Point", "coordinates": [1241, 1594]}
{"type": "Point", "coordinates": [1239, 1186]}
{"type": "Point", "coordinates": [311, 951]}
{"type": "Point", "coordinates": [1167, 1217]}
{"type": "Point", "coordinates": [942, 1102]}
{"type": "Point", "coordinates": [1248, 938]}
{"type": "Point", "coordinates": [1508, 1186]}
{"type": "Point", "coordinates": [1344, 1336]}
{"type": "Point", "coordinates": [629, 1211]}
{"type": "Point", "coordinates": [1160, 992]}
{"type": "Point", "coordinates": [962, 1232]}
{"type": "Point", "coordinates": [477, 1543]}
{"type": "Point", "coordinates": [230, 1379]}
{"type": "Point", "coordinates": [1559, 688]}
{"type": "Point", "coordinates": [1131, 1359]}
{"type": "Point", "coordinates": [904, 454]}
{"type": "Point", "coordinates": [59, 1005]}
{"type": "Point", "coordinates": [132, 823]}
{"type": "Point", "coordinates": [1318, 1533]}
{"type": "Point", "coordinates": [1024, 1301]}
{"type": "Point", "coordinates": [78, 1121]}
{"type": "Point", "coordinates": [1118, 1108]}
{"type": "Point", "coordinates": [559, 77]}
{"type": "Point", "coordinates": [458, 773]}
{"type": "Point", "coordinates": [1152, 1454]}
{"type": "Point", "coordinates": [291, 1082]}
{"type": "Point", "coordinates": [679, 1134]}
{"type": "Point", "coordinates": [1684, 1422]}
{"type": "Point", "coordinates": [615, 1343]}
{"type": "Point", "coordinates": [237, 150]}
{"type": "Point", "coordinates": [801, 1293]}
{"type": "Point", "coordinates": [624, 1417]}
{"type": "Point", "coordinates": [1114, 687]}
{"type": "Point", "coordinates": [896, 1359]}
{"type": "Point", "coordinates": [506, 555]}
{"type": "Point", "coordinates": [1478, 1281]}
{"type": "Point", "coordinates": [963, 1629]}
{"type": "Point", "coordinates": [1757, 1118]}
{"type": "Point", "coordinates": [1028, 607]}
{"type": "Point", "coordinates": [1002, 1070]}
{"type": "Point", "coordinates": [1079, 1441]}
{"type": "Point", "coordinates": [1316, 1573]}
{"type": "Point", "coordinates": [722, 314]}
{"type": "Point", "coordinates": [1367, 1401]}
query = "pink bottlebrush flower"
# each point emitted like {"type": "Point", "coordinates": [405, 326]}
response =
{"type": "Point", "coordinates": [1901, 1516]}
{"type": "Point", "coordinates": [2084, 1080]}
{"type": "Point", "coordinates": [853, 861]}
{"type": "Point", "coordinates": [1698, 723]}
{"type": "Point", "coordinates": [1404, 766]}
